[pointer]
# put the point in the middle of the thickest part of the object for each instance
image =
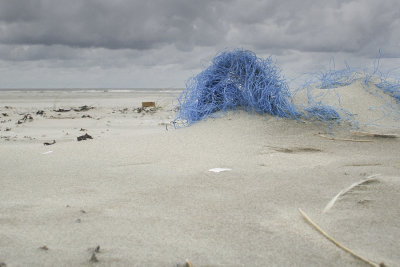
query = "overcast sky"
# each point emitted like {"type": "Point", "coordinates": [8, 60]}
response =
{"type": "Point", "coordinates": [161, 43]}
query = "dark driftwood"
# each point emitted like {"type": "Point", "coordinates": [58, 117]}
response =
{"type": "Point", "coordinates": [49, 144]}
{"type": "Point", "coordinates": [84, 137]}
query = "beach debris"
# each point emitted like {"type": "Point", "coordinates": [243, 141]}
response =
{"type": "Point", "coordinates": [86, 116]}
{"type": "Point", "coordinates": [94, 251]}
{"type": "Point", "coordinates": [27, 117]}
{"type": "Point", "coordinates": [295, 149]}
{"type": "Point", "coordinates": [3, 264]}
{"type": "Point", "coordinates": [84, 137]}
{"type": "Point", "coordinates": [124, 110]}
{"type": "Point", "coordinates": [83, 130]}
{"type": "Point", "coordinates": [219, 170]}
{"type": "Point", "coordinates": [49, 143]}
{"type": "Point", "coordinates": [94, 258]}
{"type": "Point", "coordinates": [364, 164]}
{"type": "Point", "coordinates": [344, 191]}
{"type": "Point", "coordinates": [83, 108]}
{"type": "Point", "coordinates": [4, 114]}
{"type": "Point", "coordinates": [62, 110]}
{"type": "Point", "coordinates": [44, 247]}
{"type": "Point", "coordinates": [336, 242]}
{"type": "Point", "coordinates": [78, 220]}
{"type": "Point", "coordinates": [146, 110]}
{"type": "Point", "coordinates": [47, 152]}
{"type": "Point", "coordinates": [148, 104]}
{"type": "Point", "coordinates": [375, 135]}
{"type": "Point", "coordinates": [8, 129]}
{"type": "Point", "coordinates": [40, 112]}
{"type": "Point", "coordinates": [236, 79]}
{"type": "Point", "coordinates": [83, 211]}
{"type": "Point", "coordinates": [322, 113]}
{"type": "Point", "coordinates": [343, 139]}
{"type": "Point", "coordinates": [186, 264]}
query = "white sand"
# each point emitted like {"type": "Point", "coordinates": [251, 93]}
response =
{"type": "Point", "coordinates": [145, 194]}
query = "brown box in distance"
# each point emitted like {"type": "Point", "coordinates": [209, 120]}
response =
{"type": "Point", "coordinates": [148, 104]}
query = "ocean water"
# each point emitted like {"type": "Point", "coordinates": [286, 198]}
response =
{"type": "Point", "coordinates": [95, 90]}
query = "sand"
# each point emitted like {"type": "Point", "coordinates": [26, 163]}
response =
{"type": "Point", "coordinates": [142, 191]}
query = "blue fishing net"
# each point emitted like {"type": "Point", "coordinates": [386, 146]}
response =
{"type": "Point", "coordinates": [236, 79]}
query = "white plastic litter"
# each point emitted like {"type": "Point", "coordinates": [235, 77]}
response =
{"type": "Point", "coordinates": [219, 169]}
{"type": "Point", "coordinates": [47, 152]}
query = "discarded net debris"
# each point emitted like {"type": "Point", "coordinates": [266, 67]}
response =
{"type": "Point", "coordinates": [239, 79]}
{"type": "Point", "coordinates": [236, 79]}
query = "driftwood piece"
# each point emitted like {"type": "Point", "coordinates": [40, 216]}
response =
{"type": "Point", "coordinates": [336, 242]}
{"type": "Point", "coordinates": [83, 108]}
{"type": "Point", "coordinates": [49, 143]}
{"type": "Point", "coordinates": [375, 135]}
{"type": "Point", "coordinates": [343, 139]}
{"type": "Point", "coordinates": [84, 137]}
{"type": "Point", "coordinates": [62, 110]}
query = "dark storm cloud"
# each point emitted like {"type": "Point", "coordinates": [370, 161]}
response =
{"type": "Point", "coordinates": [359, 27]}
{"type": "Point", "coordinates": [318, 26]}
{"type": "Point", "coordinates": [110, 24]}
{"type": "Point", "coordinates": [129, 42]}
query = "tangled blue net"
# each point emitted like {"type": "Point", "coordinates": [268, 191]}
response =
{"type": "Point", "coordinates": [391, 88]}
{"type": "Point", "coordinates": [239, 79]}
{"type": "Point", "coordinates": [236, 79]}
{"type": "Point", "coordinates": [336, 78]}
{"type": "Point", "coordinates": [322, 113]}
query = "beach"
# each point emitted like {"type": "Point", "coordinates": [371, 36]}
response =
{"type": "Point", "coordinates": [139, 192]}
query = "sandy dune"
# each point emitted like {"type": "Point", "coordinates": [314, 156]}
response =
{"type": "Point", "coordinates": [143, 192]}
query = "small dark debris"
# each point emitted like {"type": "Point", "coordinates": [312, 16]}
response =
{"type": "Point", "coordinates": [83, 130]}
{"type": "Point", "coordinates": [125, 110]}
{"type": "Point", "coordinates": [84, 137]}
{"type": "Point", "coordinates": [8, 129]}
{"type": "Point", "coordinates": [145, 110]}
{"type": "Point", "coordinates": [186, 264]}
{"type": "Point", "coordinates": [78, 220]}
{"type": "Point", "coordinates": [68, 206]}
{"type": "Point", "coordinates": [44, 248]}
{"type": "Point", "coordinates": [7, 107]}
{"type": "Point", "coordinates": [3, 264]}
{"type": "Point", "coordinates": [40, 112]}
{"type": "Point", "coordinates": [62, 110]}
{"type": "Point", "coordinates": [97, 249]}
{"type": "Point", "coordinates": [83, 108]}
{"type": "Point", "coordinates": [94, 258]}
{"type": "Point", "coordinates": [49, 144]}
{"type": "Point", "coordinates": [82, 211]}
{"type": "Point", "coordinates": [4, 114]}
{"type": "Point", "coordinates": [27, 117]}
{"type": "Point", "coordinates": [86, 116]}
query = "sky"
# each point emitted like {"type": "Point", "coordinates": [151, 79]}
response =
{"type": "Point", "coordinates": [162, 43]}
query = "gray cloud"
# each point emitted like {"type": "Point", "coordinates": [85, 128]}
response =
{"type": "Point", "coordinates": [183, 35]}
{"type": "Point", "coordinates": [111, 24]}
